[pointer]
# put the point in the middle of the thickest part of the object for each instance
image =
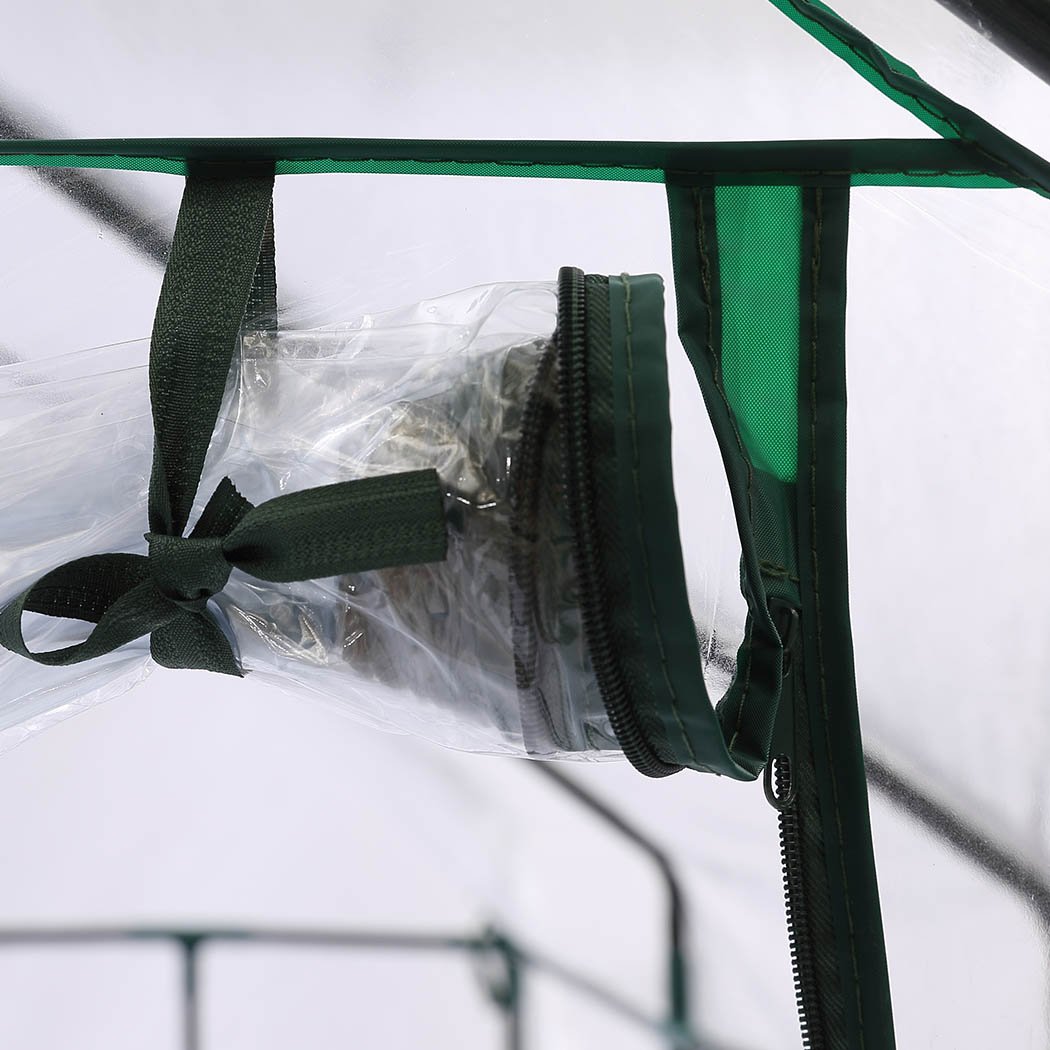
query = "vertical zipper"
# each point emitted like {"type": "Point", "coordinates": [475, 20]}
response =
{"type": "Point", "coordinates": [780, 782]}
{"type": "Point", "coordinates": [571, 341]}
{"type": "Point", "coordinates": [790, 787]}
{"type": "Point", "coordinates": [799, 939]}
{"type": "Point", "coordinates": [539, 426]}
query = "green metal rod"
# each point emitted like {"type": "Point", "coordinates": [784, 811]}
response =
{"type": "Point", "coordinates": [367, 939]}
{"type": "Point", "coordinates": [191, 940]}
{"type": "Point", "coordinates": [677, 948]}
{"type": "Point", "coordinates": [190, 996]}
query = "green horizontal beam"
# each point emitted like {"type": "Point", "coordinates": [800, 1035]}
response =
{"type": "Point", "coordinates": [896, 162]}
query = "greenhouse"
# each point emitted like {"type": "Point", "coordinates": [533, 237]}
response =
{"type": "Point", "coordinates": [538, 516]}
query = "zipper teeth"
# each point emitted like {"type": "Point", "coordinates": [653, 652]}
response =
{"type": "Point", "coordinates": [802, 962]}
{"type": "Point", "coordinates": [578, 452]}
{"type": "Point", "coordinates": [538, 730]}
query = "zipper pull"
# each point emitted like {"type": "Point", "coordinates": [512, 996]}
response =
{"type": "Point", "coordinates": [779, 784]}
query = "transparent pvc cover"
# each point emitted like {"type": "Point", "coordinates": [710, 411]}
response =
{"type": "Point", "coordinates": [320, 288]}
{"type": "Point", "coordinates": [484, 651]}
{"type": "Point", "coordinates": [948, 471]}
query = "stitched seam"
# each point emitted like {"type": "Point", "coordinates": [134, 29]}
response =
{"type": "Point", "coordinates": [654, 172]}
{"type": "Point", "coordinates": [813, 404]}
{"type": "Point", "coordinates": [870, 64]}
{"type": "Point", "coordinates": [636, 481]}
{"type": "Point", "coordinates": [922, 103]}
{"type": "Point", "coordinates": [774, 172]}
{"type": "Point", "coordinates": [176, 165]}
{"type": "Point", "coordinates": [706, 282]}
{"type": "Point", "coordinates": [777, 572]}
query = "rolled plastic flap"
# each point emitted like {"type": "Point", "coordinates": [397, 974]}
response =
{"type": "Point", "coordinates": [558, 625]}
{"type": "Point", "coordinates": [640, 628]}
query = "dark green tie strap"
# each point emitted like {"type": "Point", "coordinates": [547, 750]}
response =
{"type": "Point", "coordinates": [351, 526]}
{"type": "Point", "coordinates": [206, 289]}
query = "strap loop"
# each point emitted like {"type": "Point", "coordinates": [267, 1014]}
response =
{"type": "Point", "coordinates": [223, 243]}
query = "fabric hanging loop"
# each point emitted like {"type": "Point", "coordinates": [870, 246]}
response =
{"type": "Point", "coordinates": [352, 526]}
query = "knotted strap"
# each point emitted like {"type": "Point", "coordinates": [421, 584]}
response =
{"type": "Point", "coordinates": [351, 526]}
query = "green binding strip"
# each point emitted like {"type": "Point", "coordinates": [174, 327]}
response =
{"type": "Point", "coordinates": [347, 527]}
{"type": "Point", "coordinates": [900, 83]}
{"type": "Point", "coordinates": [759, 229]}
{"type": "Point", "coordinates": [792, 531]}
{"type": "Point", "coordinates": [829, 700]}
{"type": "Point", "coordinates": [893, 162]}
{"type": "Point", "coordinates": [762, 503]}
{"type": "Point", "coordinates": [648, 530]}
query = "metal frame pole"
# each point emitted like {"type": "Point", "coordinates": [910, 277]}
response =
{"type": "Point", "coordinates": [678, 963]}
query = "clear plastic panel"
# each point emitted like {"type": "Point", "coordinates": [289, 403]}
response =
{"type": "Point", "coordinates": [968, 952]}
{"type": "Point", "coordinates": [320, 404]}
{"type": "Point", "coordinates": [332, 997]}
{"type": "Point", "coordinates": [961, 61]}
{"type": "Point", "coordinates": [430, 649]}
{"type": "Point", "coordinates": [85, 258]}
{"type": "Point", "coordinates": [453, 71]}
{"type": "Point", "coordinates": [520, 229]}
{"type": "Point", "coordinates": [120, 996]}
{"type": "Point", "coordinates": [563, 1018]}
{"type": "Point", "coordinates": [949, 470]}
{"type": "Point", "coordinates": [200, 805]}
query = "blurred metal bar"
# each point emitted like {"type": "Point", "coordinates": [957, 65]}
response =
{"type": "Point", "coordinates": [190, 942]}
{"type": "Point", "coordinates": [515, 1021]}
{"type": "Point", "coordinates": [1021, 28]}
{"type": "Point", "coordinates": [190, 993]}
{"type": "Point", "coordinates": [671, 1034]}
{"type": "Point", "coordinates": [90, 193]}
{"type": "Point", "coordinates": [596, 993]}
{"type": "Point", "coordinates": [677, 951]}
{"type": "Point", "coordinates": [504, 987]}
{"type": "Point", "coordinates": [974, 843]}
{"type": "Point", "coordinates": [366, 939]}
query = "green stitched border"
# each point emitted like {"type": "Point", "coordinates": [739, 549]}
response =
{"type": "Point", "coordinates": [607, 469]}
{"type": "Point", "coordinates": [890, 162]}
{"type": "Point", "coordinates": [902, 85]}
{"type": "Point", "coordinates": [830, 689]}
{"type": "Point", "coordinates": [762, 504]}
{"type": "Point", "coordinates": [648, 529]}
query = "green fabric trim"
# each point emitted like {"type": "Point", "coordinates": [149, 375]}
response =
{"type": "Point", "coordinates": [895, 162]}
{"type": "Point", "coordinates": [930, 179]}
{"type": "Point", "coordinates": [901, 84]}
{"type": "Point", "coordinates": [829, 700]}
{"type": "Point", "coordinates": [648, 530]}
{"type": "Point", "coordinates": [475, 169]}
{"type": "Point", "coordinates": [893, 78]}
{"type": "Point", "coordinates": [762, 504]}
{"type": "Point", "coordinates": [759, 230]}
{"type": "Point", "coordinates": [620, 664]}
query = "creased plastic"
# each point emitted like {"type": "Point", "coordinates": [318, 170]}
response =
{"type": "Point", "coordinates": [483, 652]}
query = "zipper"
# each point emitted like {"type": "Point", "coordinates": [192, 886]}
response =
{"type": "Point", "coordinates": [571, 341]}
{"type": "Point", "coordinates": [791, 789]}
{"type": "Point", "coordinates": [800, 942]}
{"type": "Point", "coordinates": [780, 782]}
{"type": "Point", "coordinates": [539, 426]}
